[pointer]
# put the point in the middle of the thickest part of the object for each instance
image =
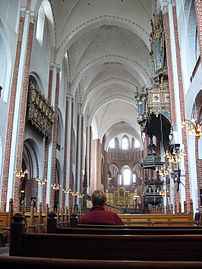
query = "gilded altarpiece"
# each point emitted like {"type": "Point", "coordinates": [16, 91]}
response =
{"type": "Point", "coordinates": [121, 197]}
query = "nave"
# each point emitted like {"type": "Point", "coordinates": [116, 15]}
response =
{"type": "Point", "coordinates": [102, 95]}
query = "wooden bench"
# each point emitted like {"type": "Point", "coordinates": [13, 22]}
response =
{"type": "Point", "coordinates": [29, 262]}
{"type": "Point", "coordinates": [157, 219]}
{"type": "Point", "coordinates": [104, 247]}
{"type": "Point", "coordinates": [52, 227]}
{"type": "Point", "coordinates": [128, 231]}
{"type": "Point", "coordinates": [5, 222]}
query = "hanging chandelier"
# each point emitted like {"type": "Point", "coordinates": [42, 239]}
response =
{"type": "Point", "coordinates": [174, 153]}
{"type": "Point", "coordinates": [56, 187]}
{"type": "Point", "coordinates": [163, 172]}
{"type": "Point", "coordinates": [194, 127]}
{"type": "Point", "coordinates": [66, 191]}
{"type": "Point", "coordinates": [20, 174]}
{"type": "Point", "coordinates": [41, 181]}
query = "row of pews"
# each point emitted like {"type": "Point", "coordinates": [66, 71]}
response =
{"type": "Point", "coordinates": [104, 246]}
{"type": "Point", "coordinates": [48, 240]}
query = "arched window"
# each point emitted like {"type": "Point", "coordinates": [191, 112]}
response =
{"type": "Point", "coordinates": [126, 176]}
{"type": "Point", "coordinates": [112, 144]}
{"type": "Point", "coordinates": [125, 143]}
{"type": "Point", "coordinates": [137, 144]}
{"type": "Point", "coordinates": [134, 178]}
{"type": "Point", "coordinates": [40, 25]}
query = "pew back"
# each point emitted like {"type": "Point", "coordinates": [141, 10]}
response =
{"type": "Point", "coordinates": [111, 247]}
{"type": "Point", "coordinates": [28, 262]}
{"type": "Point", "coordinates": [127, 230]}
{"type": "Point", "coordinates": [157, 219]}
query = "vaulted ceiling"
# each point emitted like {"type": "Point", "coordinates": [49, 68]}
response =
{"type": "Point", "coordinates": [106, 43]}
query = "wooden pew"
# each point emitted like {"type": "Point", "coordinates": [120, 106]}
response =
{"type": "Point", "coordinates": [128, 230]}
{"type": "Point", "coordinates": [5, 223]}
{"type": "Point", "coordinates": [29, 262]}
{"type": "Point", "coordinates": [104, 247]}
{"type": "Point", "coordinates": [52, 227]}
{"type": "Point", "coordinates": [157, 220]}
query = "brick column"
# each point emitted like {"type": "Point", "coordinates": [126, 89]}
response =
{"type": "Point", "coordinates": [78, 155]}
{"type": "Point", "coordinates": [67, 148]}
{"type": "Point", "coordinates": [96, 150]}
{"type": "Point", "coordinates": [199, 164]}
{"type": "Point", "coordinates": [71, 183]}
{"type": "Point", "coordinates": [54, 138]}
{"type": "Point", "coordinates": [182, 105]}
{"type": "Point", "coordinates": [47, 142]}
{"type": "Point", "coordinates": [81, 162]}
{"type": "Point", "coordinates": [23, 107]}
{"type": "Point", "coordinates": [175, 86]}
{"type": "Point", "coordinates": [7, 153]}
{"type": "Point", "coordinates": [87, 168]}
{"type": "Point", "coordinates": [198, 8]}
{"type": "Point", "coordinates": [169, 64]}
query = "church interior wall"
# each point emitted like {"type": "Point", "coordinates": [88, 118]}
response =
{"type": "Point", "coordinates": [78, 62]}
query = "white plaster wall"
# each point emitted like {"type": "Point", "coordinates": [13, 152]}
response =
{"type": "Point", "coordinates": [9, 18]}
{"type": "Point", "coordinates": [190, 97]}
{"type": "Point", "coordinates": [40, 59]}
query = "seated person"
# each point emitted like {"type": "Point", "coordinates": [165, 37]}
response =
{"type": "Point", "coordinates": [98, 215]}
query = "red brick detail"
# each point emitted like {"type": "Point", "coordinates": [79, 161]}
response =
{"type": "Point", "coordinates": [90, 154]}
{"type": "Point", "coordinates": [81, 157]}
{"type": "Point", "coordinates": [65, 153]}
{"type": "Point", "coordinates": [170, 69]}
{"type": "Point", "coordinates": [55, 128]}
{"type": "Point", "coordinates": [198, 9]}
{"type": "Point", "coordinates": [182, 106]}
{"type": "Point", "coordinates": [11, 114]}
{"type": "Point", "coordinates": [77, 154]}
{"type": "Point", "coordinates": [96, 160]}
{"type": "Point", "coordinates": [71, 183]}
{"type": "Point", "coordinates": [199, 165]}
{"type": "Point", "coordinates": [23, 107]}
{"type": "Point", "coordinates": [46, 149]}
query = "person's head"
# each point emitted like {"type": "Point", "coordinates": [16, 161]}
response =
{"type": "Point", "coordinates": [98, 198]}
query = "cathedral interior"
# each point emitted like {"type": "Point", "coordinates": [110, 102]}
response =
{"type": "Point", "coordinates": [100, 94]}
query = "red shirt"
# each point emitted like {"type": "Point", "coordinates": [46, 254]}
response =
{"type": "Point", "coordinates": [98, 215]}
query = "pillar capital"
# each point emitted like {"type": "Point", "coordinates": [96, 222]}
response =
{"type": "Point", "coordinates": [69, 96]}
{"type": "Point", "coordinates": [165, 3]}
{"type": "Point", "coordinates": [55, 66]}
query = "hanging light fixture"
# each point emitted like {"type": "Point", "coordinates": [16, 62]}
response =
{"type": "Point", "coordinates": [163, 172]}
{"type": "Point", "coordinates": [20, 174]}
{"type": "Point", "coordinates": [56, 187]}
{"type": "Point", "coordinates": [174, 153]}
{"type": "Point", "coordinates": [66, 191]}
{"type": "Point", "coordinates": [41, 181]}
{"type": "Point", "coordinates": [194, 127]}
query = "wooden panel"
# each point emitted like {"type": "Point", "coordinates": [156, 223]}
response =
{"type": "Point", "coordinates": [112, 247]}
{"type": "Point", "coordinates": [4, 216]}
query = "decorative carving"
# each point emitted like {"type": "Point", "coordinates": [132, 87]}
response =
{"type": "Point", "coordinates": [121, 197]}
{"type": "Point", "coordinates": [155, 100]}
{"type": "Point", "coordinates": [157, 42]}
{"type": "Point", "coordinates": [39, 112]}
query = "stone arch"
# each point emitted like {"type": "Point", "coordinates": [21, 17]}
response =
{"type": "Point", "coordinates": [37, 81]}
{"type": "Point", "coordinates": [36, 5]}
{"type": "Point", "coordinates": [98, 22]}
